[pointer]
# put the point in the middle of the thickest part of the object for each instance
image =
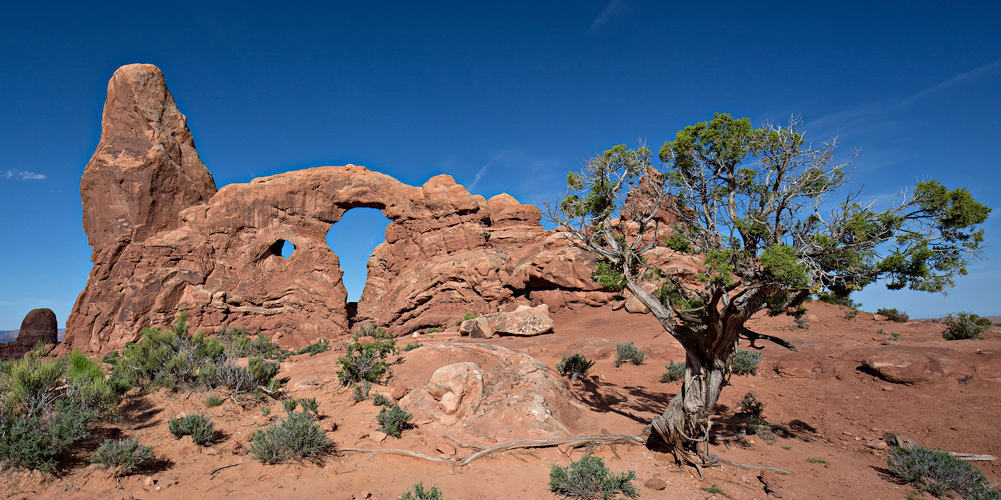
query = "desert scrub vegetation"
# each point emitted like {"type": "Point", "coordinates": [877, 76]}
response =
{"type": "Point", "coordinates": [893, 314]}
{"type": "Point", "coordinates": [744, 362]}
{"type": "Point", "coordinates": [964, 325]}
{"type": "Point", "coordinates": [673, 372]}
{"type": "Point", "coordinates": [419, 493]}
{"type": "Point", "coordinates": [574, 366]}
{"type": "Point", "coordinates": [296, 438]}
{"type": "Point", "coordinates": [322, 345]}
{"type": "Point", "coordinates": [45, 406]}
{"type": "Point", "coordinates": [123, 456]}
{"type": "Point", "coordinates": [627, 352]}
{"type": "Point", "coordinates": [939, 473]}
{"type": "Point", "coordinates": [173, 358]}
{"type": "Point", "coordinates": [365, 361]}
{"type": "Point", "coordinates": [752, 410]}
{"type": "Point", "coordinates": [371, 330]}
{"type": "Point", "coordinates": [588, 478]}
{"type": "Point", "coordinates": [198, 426]}
{"type": "Point", "coordinates": [393, 420]}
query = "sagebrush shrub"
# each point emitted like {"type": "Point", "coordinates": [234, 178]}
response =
{"type": "Point", "coordinates": [34, 440]}
{"type": "Point", "coordinates": [298, 437]}
{"type": "Point", "coordinates": [744, 362]}
{"type": "Point", "coordinates": [627, 352]}
{"type": "Point", "coordinates": [380, 400]}
{"type": "Point", "coordinates": [361, 391]}
{"type": "Point", "coordinates": [964, 325]}
{"type": "Point", "coordinates": [393, 420]}
{"type": "Point", "coordinates": [673, 372]}
{"type": "Point", "coordinates": [123, 455]}
{"type": "Point", "coordinates": [752, 408]}
{"type": "Point", "coordinates": [198, 426]}
{"type": "Point", "coordinates": [575, 366]}
{"type": "Point", "coordinates": [419, 493]}
{"type": "Point", "coordinates": [365, 361]}
{"type": "Point", "coordinates": [322, 345]}
{"type": "Point", "coordinates": [893, 314]}
{"type": "Point", "coordinates": [371, 330]}
{"type": "Point", "coordinates": [589, 478]}
{"type": "Point", "coordinates": [940, 473]}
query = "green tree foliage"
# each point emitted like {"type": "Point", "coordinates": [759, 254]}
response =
{"type": "Point", "coordinates": [765, 208]}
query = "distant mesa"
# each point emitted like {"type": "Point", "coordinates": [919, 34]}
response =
{"type": "Point", "coordinates": [39, 325]}
{"type": "Point", "coordinates": [164, 239]}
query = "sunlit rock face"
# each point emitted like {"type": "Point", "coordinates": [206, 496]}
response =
{"type": "Point", "coordinates": [164, 239]}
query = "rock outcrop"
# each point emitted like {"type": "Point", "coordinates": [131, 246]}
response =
{"type": "Point", "coordinates": [164, 240]}
{"type": "Point", "coordinates": [524, 321]}
{"type": "Point", "coordinates": [39, 325]}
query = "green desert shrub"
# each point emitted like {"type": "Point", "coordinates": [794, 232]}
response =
{"type": "Point", "coordinates": [380, 400]}
{"type": "Point", "coordinates": [290, 404]}
{"type": "Point", "coordinates": [242, 345]}
{"type": "Point", "coordinates": [893, 314]}
{"type": "Point", "coordinates": [213, 401]}
{"type": "Point", "coordinates": [752, 409]}
{"type": "Point", "coordinates": [310, 405]}
{"type": "Point", "coordinates": [361, 391]}
{"type": "Point", "coordinates": [588, 478]}
{"type": "Point", "coordinates": [35, 440]}
{"type": "Point", "coordinates": [393, 420]}
{"type": "Point", "coordinates": [86, 383]}
{"type": "Point", "coordinates": [411, 347]}
{"type": "Point", "coordinates": [322, 345]}
{"type": "Point", "coordinates": [575, 366]}
{"type": "Point", "coordinates": [744, 362]}
{"type": "Point", "coordinates": [673, 372]}
{"type": "Point", "coordinates": [939, 473]}
{"type": "Point", "coordinates": [627, 352]}
{"type": "Point", "coordinates": [419, 493]}
{"type": "Point", "coordinates": [198, 426]}
{"type": "Point", "coordinates": [124, 455]}
{"type": "Point", "coordinates": [298, 437]}
{"type": "Point", "coordinates": [964, 325]}
{"type": "Point", "coordinates": [365, 361]}
{"type": "Point", "coordinates": [371, 330]}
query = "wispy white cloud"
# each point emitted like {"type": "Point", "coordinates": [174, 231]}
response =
{"type": "Point", "coordinates": [952, 82]}
{"type": "Point", "coordinates": [21, 174]}
{"type": "Point", "coordinates": [615, 8]}
{"type": "Point", "coordinates": [479, 175]}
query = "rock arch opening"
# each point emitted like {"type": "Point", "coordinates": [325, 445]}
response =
{"type": "Point", "coordinates": [353, 239]}
{"type": "Point", "coordinates": [282, 248]}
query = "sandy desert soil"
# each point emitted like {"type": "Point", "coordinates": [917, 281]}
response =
{"type": "Point", "coordinates": [831, 407]}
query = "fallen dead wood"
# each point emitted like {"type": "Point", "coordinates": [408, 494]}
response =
{"type": "Point", "coordinates": [512, 445]}
{"type": "Point", "coordinates": [972, 457]}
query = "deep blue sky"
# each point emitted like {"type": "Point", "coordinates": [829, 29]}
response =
{"type": "Point", "coordinates": [505, 97]}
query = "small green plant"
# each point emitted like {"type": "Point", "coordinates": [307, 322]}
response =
{"type": "Point", "coordinates": [290, 404]}
{"type": "Point", "coordinates": [265, 410]}
{"type": "Point", "coordinates": [673, 372]}
{"type": "Point", "coordinates": [124, 456]}
{"type": "Point", "coordinates": [895, 337]}
{"type": "Point", "coordinates": [575, 366]}
{"type": "Point", "coordinates": [939, 473]}
{"type": "Point", "coordinates": [361, 391]}
{"type": "Point", "coordinates": [468, 316]}
{"type": "Point", "coordinates": [627, 352]}
{"type": "Point", "coordinates": [801, 323]}
{"type": "Point", "coordinates": [411, 347]}
{"type": "Point", "coordinates": [310, 405]}
{"type": "Point", "coordinates": [434, 330]}
{"type": "Point", "coordinates": [786, 447]}
{"type": "Point", "coordinates": [816, 460]}
{"type": "Point", "coordinates": [371, 330]}
{"type": "Point", "coordinates": [712, 489]}
{"type": "Point", "coordinates": [744, 362]}
{"type": "Point", "coordinates": [752, 408]}
{"type": "Point", "coordinates": [34, 440]}
{"type": "Point", "coordinates": [393, 420]}
{"type": "Point", "coordinates": [365, 361]}
{"type": "Point", "coordinates": [419, 493]}
{"type": "Point", "coordinates": [893, 314]}
{"type": "Point", "coordinates": [964, 325]}
{"type": "Point", "coordinates": [198, 426]}
{"type": "Point", "coordinates": [589, 478]}
{"type": "Point", "coordinates": [380, 400]}
{"type": "Point", "coordinates": [298, 437]}
{"type": "Point", "coordinates": [850, 314]}
{"type": "Point", "coordinates": [322, 345]}
{"type": "Point", "coordinates": [213, 401]}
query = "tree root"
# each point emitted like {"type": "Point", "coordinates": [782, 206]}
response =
{"type": "Point", "coordinates": [512, 445]}
{"type": "Point", "coordinates": [755, 467]}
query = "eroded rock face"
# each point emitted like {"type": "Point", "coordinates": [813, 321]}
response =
{"type": "Point", "coordinates": [39, 325]}
{"type": "Point", "coordinates": [523, 321]}
{"type": "Point", "coordinates": [488, 393]}
{"type": "Point", "coordinates": [164, 240]}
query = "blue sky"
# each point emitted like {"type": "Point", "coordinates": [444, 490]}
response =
{"type": "Point", "coordinates": [504, 96]}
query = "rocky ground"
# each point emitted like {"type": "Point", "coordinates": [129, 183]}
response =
{"type": "Point", "coordinates": [832, 395]}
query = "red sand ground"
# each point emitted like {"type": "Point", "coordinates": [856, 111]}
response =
{"type": "Point", "coordinates": [832, 416]}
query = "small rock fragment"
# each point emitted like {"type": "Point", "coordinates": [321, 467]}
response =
{"type": "Point", "coordinates": [655, 484]}
{"type": "Point", "coordinates": [771, 482]}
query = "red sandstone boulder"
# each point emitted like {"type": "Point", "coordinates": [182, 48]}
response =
{"type": "Point", "coordinates": [39, 325]}
{"type": "Point", "coordinates": [523, 321]}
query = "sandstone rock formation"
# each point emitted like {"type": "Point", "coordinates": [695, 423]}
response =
{"type": "Point", "coordinates": [39, 325]}
{"type": "Point", "coordinates": [488, 393]}
{"type": "Point", "coordinates": [163, 240]}
{"type": "Point", "coordinates": [523, 321]}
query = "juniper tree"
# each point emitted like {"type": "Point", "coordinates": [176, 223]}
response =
{"type": "Point", "coordinates": [759, 207]}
